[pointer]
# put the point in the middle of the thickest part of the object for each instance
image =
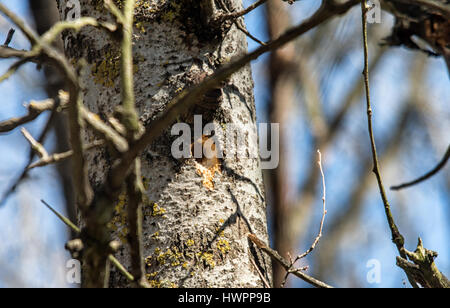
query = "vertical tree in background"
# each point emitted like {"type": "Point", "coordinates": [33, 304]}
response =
{"type": "Point", "coordinates": [282, 86]}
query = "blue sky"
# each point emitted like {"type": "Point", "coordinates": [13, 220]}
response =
{"type": "Point", "coordinates": [44, 244]}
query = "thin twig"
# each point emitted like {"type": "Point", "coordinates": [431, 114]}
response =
{"type": "Point", "coordinates": [239, 24]}
{"type": "Point", "coordinates": [96, 250]}
{"type": "Point", "coordinates": [36, 146]}
{"type": "Point", "coordinates": [135, 192]}
{"type": "Point", "coordinates": [130, 120]}
{"type": "Point", "coordinates": [59, 157]}
{"type": "Point", "coordinates": [8, 52]}
{"type": "Point", "coordinates": [324, 212]}
{"type": "Point", "coordinates": [264, 280]}
{"type": "Point", "coordinates": [286, 264]}
{"type": "Point", "coordinates": [31, 155]}
{"type": "Point", "coordinates": [40, 47]}
{"type": "Point", "coordinates": [29, 32]}
{"type": "Point", "coordinates": [84, 191]}
{"type": "Point", "coordinates": [236, 15]}
{"type": "Point", "coordinates": [9, 37]}
{"type": "Point", "coordinates": [129, 116]}
{"type": "Point", "coordinates": [319, 235]}
{"type": "Point", "coordinates": [13, 68]}
{"type": "Point", "coordinates": [110, 6]}
{"type": "Point", "coordinates": [72, 226]}
{"type": "Point", "coordinates": [428, 175]}
{"type": "Point", "coordinates": [76, 25]}
{"type": "Point", "coordinates": [242, 28]}
{"type": "Point", "coordinates": [105, 131]}
{"type": "Point", "coordinates": [64, 219]}
{"type": "Point", "coordinates": [397, 238]}
{"type": "Point", "coordinates": [34, 110]}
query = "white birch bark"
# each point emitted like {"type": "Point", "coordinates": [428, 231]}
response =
{"type": "Point", "coordinates": [194, 236]}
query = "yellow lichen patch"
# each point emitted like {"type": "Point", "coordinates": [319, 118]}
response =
{"type": "Point", "coordinates": [107, 70]}
{"type": "Point", "coordinates": [175, 263]}
{"type": "Point", "coordinates": [119, 221]}
{"type": "Point", "coordinates": [223, 246]}
{"type": "Point", "coordinates": [155, 235]}
{"type": "Point", "coordinates": [220, 232]}
{"type": "Point", "coordinates": [148, 261]}
{"type": "Point", "coordinates": [142, 4]}
{"type": "Point", "coordinates": [157, 210]}
{"type": "Point", "coordinates": [140, 26]}
{"type": "Point", "coordinates": [161, 258]}
{"type": "Point", "coordinates": [209, 164]}
{"type": "Point", "coordinates": [171, 256]}
{"type": "Point", "coordinates": [151, 275]}
{"type": "Point", "coordinates": [190, 242]}
{"type": "Point", "coordinates": [173, 12]}
{"type": "Point", "coordinates": [123, 234]}
{"type": "Point", "coordinates": [207, 258]}
{"type": "Point", "coordinates": [154, 283]}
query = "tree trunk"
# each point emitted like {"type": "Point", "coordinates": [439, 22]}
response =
{"type": "Point", "coordinates": [197, 212]}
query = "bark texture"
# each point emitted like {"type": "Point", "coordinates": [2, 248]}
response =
{"type": "Point", "coordinates": [195, 231]}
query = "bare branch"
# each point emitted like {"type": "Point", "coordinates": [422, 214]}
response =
{"type": "Point", "coordinates": [109, 5]}
{"type": "Point", "coordinates": [264, 280]}
{"type": "Point", "coordinates": [40, 47]}
{"type": "Point", "coordinates": [135, 192]}
{"type": "Point", "coordinates": [319, 235]}
{"type": "Point", "coordinates": [35, 108]}
{"type": "Point", "coordinates": [8, 52]}
{"type": "Point", "coordinates": [72, 226]}
{"type": "Point", "coordinates": [428, 175]}
{"type": "Point", "coordinates": [423, 269]}
{"type": "Point", "coordinates": [9, 37]}
{"type": "Point", "coordinates": [53, 33]}
{"type": "Point", "coordinates": [29, 33]}
{"type": "Point", "coordinates": [59, 157]}
{"type": "Point", "coordinates": [242, 28]}
{"type": "Point", "coordinates": [425, 261]}
{"type": "Point", "coordinates": [24, 173]}
{"type": "Point", "coordinates": [13, 68]}
{"type": "Point", "coordinates": [236, 15]}
{"type": "Point", "coordinates": [324, 212]}
{"type": "Point", "coordinates": [286, 264]}
{"type": "Point", "coordinates": [396, 236]}
{"type": "Point", "coordinates": [36, 146]}
{"type": "Point", "coordinates": [129, 116]}
{"type": "Point", "coordinates": [106, 132]}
